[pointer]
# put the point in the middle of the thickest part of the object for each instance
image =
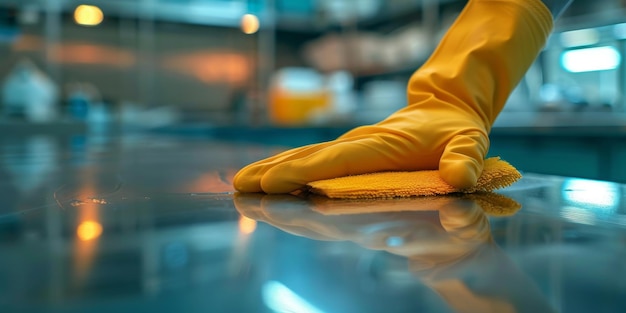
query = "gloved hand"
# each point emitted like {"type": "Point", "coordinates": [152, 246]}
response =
{"type": "Point", "coordinates": [453, 100]}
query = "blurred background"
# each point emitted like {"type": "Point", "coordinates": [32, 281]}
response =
{"type": "Point", "coordinates": [295, 72]}
{"type": "Point", "coordinates": [122, 123]}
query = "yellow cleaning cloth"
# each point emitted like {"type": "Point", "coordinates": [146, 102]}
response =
{"type": "Point", "coordinates": [496, 174]}
{"type": "Point", "coordinates": [492, 204]}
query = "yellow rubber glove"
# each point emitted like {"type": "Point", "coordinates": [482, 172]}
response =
{"type": "Point", "coordinates": [453, 100]}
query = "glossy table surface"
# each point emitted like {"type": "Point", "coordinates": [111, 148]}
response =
{"type": "Point", "coordinates": [152, 224]}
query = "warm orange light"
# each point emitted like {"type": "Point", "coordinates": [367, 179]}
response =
{"type": "Point", "coordinates": [211, 66]}
{"type": "Point", "coordinates": [246, 225]}
{"type": "Point", "coordinates": [92, 54]}
{"type": "Point", "coordinates": [249, 24]}
{"type": "Point", "coordinates": [88, 15]}
{"type": "Point", "coordinates": [89, 230]}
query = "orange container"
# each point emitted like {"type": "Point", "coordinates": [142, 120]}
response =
{"type": "Point", "coordinates": [296, 108]}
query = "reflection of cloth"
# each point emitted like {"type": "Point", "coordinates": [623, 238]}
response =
{"type": "Point", "coordinates": [491, 203]}
{"type": "Point", "coordinates": [446, 239]}
{"type": "Point", "coordinates": [496, 174]}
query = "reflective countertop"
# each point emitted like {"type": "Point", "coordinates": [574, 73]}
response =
{"type": "Point", "coordinates": [144, 223]}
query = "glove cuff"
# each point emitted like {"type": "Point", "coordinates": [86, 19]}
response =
{"type": "Point", "coordinates": [540, 15]}
{"type": "Point", "coordinates": [482, 57]}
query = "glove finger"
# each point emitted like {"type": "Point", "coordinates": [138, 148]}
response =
{"type": "Point", "coordinates": [462, 160]}
{"type": "Point", "coordinates": [354, 134]}
{"type": "Point", "coordinates": [248, 179]}
{"type": "Point", "coordinates": [285, 154]}
{"type": "Point", "coordinates": [366, 155]}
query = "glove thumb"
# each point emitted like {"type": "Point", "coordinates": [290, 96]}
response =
{"type": "Point", "coordinates": [462, 161]}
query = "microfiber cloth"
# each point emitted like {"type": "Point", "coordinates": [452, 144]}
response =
{"type": "Point", "coordinates": [492, 204]}
{"type": "Point", "coordinates": [496, 174]}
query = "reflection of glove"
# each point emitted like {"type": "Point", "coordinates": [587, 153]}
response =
{"type": "Point", "coordinates": [445, 253]}
{"type": "Point", "coordinates": [458, 223]}
{"type": "Point", "coordinates": [453, 254]}
{"type": "Point", "coordinates": [453, 101]}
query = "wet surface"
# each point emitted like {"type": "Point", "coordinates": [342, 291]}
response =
{"type": "Point", "coordinates": [140, 223]}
